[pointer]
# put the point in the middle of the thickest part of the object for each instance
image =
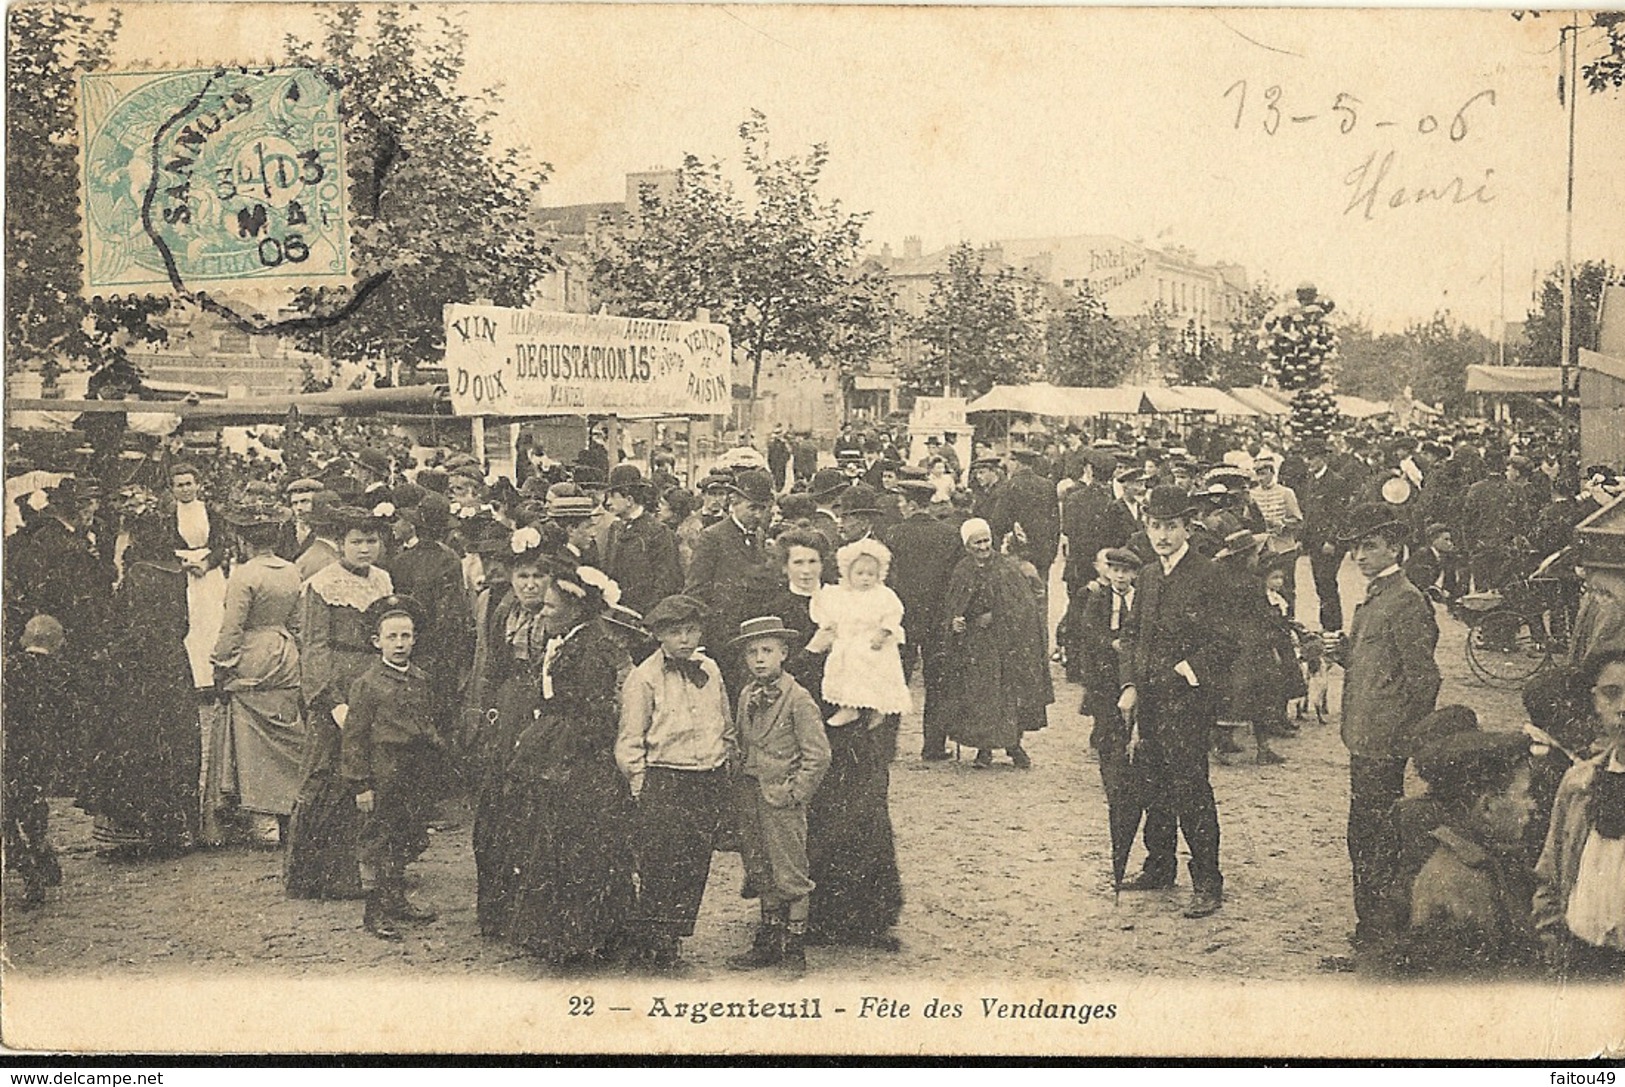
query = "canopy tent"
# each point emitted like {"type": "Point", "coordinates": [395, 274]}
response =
{"type": "Point", "coordinates": [1218, 401]}
{"type": "Point", "coordinates": [1082, 401]}
{"type": "Point", "coordinates": [1513, 380]}
{"type": "Point", "coordinates": [1358, 407]}
{"type": "Point", "coordinates": [1263, 401]}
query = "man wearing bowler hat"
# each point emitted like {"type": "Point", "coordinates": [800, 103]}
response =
{"type": "Point", "coordinates": [1390, 683]}
{"type": "Point", "coordinates": [1176, 649]}
{"type": "Point", "coordinates": [640, 553]}
{"type": "Point", "coordinates": [730, 570]}
{"type": "Point", "coordinates": [826, 487]}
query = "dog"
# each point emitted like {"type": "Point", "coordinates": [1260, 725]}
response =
{"type": "Point", "coordinates": [1317, 674]}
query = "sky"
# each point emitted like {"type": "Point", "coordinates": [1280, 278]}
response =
{"type": "Point", "coordinates": [1214, 129]}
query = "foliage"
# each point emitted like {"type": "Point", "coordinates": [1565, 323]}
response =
{"type": "Point", "coordinates": [1085, 344]}
{"type": "Point", "coordinates": [979, 329]}
{"type": "Point", "coordinates": [1429, 357]}
{"type": "Point", "coordinates": [1543, 331]}
{"type": "Point", "coordinates": [50, 325]}
{"type": "Point", "coordinates": [439, 214]}
{"type": "Point", "coordinates": [1243, 362]}
{"type": "Point", "coordinates": [781, 270]}
{"type": "Point", "coordinates": [1608, 70]}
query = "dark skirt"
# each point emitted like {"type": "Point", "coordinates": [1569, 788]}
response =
{"type": "Point", "coordinates": [570, 839]}
{"type": "Point", "coordinates": [142, 782]}
{"type": "Point", "coordinates": [850, 849]}
{"type": "Point", "coordinates": [496, 841]}
{"type": "Point", "coordinates": [324, 831]}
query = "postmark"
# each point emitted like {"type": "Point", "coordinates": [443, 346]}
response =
{"type": "Point", "coordinates": [212, 178]}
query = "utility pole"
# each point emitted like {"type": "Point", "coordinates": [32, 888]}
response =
{"type": "Point", "coordinates": [1572, 88]}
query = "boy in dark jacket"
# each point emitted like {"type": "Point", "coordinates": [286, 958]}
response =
{"type": "Point", "coordinates": [38, 700]}
{"type": "Point", "coordinates": [388, 755]}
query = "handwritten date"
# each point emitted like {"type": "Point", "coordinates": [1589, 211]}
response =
{"type": "Point", "coordinates": [1346, 109]}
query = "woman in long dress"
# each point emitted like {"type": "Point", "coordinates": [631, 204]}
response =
{"type": "Point", "coordinates": [334, 648]}
{"type": "Point", "coordinates": [141, 785]}
{"type": "Point", "coordinates": [255, 760]}
{"type": "Point", "coordinates": [851, 850]}
{"type": "Point", "coordinates": [998, 674]}
{"type": "Point", "coordinates": [567, 808]}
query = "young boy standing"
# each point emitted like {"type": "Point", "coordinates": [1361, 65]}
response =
{"type": "Point", "coordinates": [388, 754]}
{"type": "Point", "coordinates": [784, 754]}
{"type": "Point", "coordinates": [676, 737]}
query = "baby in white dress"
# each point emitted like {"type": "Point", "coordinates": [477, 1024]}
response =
{"type": "Point", "coordinates": [860, 624]}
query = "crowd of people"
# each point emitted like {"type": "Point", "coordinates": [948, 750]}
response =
{"type": "Point", "coordinates": [622, 674]}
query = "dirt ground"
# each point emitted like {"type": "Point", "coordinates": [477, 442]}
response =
{"type": "Point", "coordinates": [1007, 874]}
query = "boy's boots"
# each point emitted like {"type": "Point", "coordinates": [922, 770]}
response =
{"type": "Point", "coordinates": [793, 959]}
{"type": "Point", "coordinates": [375, 916]}
{"type": "Point", "coordinates": [402, 910]}
{"type": "Point", "coordinates": [767, 950]}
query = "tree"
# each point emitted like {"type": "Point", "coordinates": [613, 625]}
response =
{"type": "Point", "coordinates": [1086, 346]}
{"type": "Point", "coordinates": [978, 329]}
{"type": "Point", "coordinates": [1242, 362]}
{"type": "Point", "coordinates": [1543, 330]}
{"type": "Point", "coordinates": [782, 271]}
{"type": "Point", "coordinates": [1429, 357]}
{"type": "Point", "coordinates": [50, 325]}
{"type": "Point", "coordinates": [439, 214]}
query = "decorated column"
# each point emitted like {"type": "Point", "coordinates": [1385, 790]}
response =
{"type": "Point", "coordinates": [1298, 342]}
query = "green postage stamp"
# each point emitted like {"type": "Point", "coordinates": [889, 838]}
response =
{"type": "Point", "coordinates": [212, 178]}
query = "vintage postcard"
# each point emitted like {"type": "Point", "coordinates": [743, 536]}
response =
{"type": "Point", "coordinates": [786, 529]}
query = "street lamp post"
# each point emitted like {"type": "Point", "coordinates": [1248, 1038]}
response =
{"type": "Point", "coordinates": [1571, 34]}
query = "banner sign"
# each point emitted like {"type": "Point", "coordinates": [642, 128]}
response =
{"type": "Point", "coordinates": [937, 412]}
{"type": "Point", "coordinates": [519, 362]}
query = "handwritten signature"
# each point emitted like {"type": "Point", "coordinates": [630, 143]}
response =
{"type": "Point", "coordinates": [1373, 190]}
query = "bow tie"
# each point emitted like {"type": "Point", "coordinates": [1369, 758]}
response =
{"type": "Point", "coordinates": [764, 695]}
{"type": "Point", "coordinates": [690, 669]}
{"type": "Point", "coordinates": [1608, 804]}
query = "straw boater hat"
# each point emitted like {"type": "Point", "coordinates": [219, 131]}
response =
{"type": "Point", "coordinates": [764, 626]}
{"type": "Point", "coordinates": [1242, 542]}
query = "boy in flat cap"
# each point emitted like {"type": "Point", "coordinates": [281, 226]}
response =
{"type": "Point", "coordinates": [676, 738]}
{"type": "Point", "coordinates": [1470, 903]}
{"type": "Point", "coordinates": [388, 755]}
{"type": "Point", "coordinates": [784, 754]}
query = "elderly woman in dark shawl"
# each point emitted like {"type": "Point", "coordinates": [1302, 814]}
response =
{"type": "Point", "coordinates": [145, 760]}
{"type": "Point", "coordinates": [998, 675]}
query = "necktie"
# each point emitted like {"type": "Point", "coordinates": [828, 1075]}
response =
{"type": "Point", "coordinates": [1608, 804]}
{"type": "Point", "coordinates": [690, 669]}
{"type": "Point", "coordinates": [764, 695]}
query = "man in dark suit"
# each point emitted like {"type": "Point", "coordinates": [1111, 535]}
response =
{"type": "Point", "coordinates": [924, 554]}
{"type": "Point", "coordinates": [778, 458]}
{"type": "Point", "coordinates": [825, 487]}
{"type": "Point", "coordinates": [730, 571]}
{"type": "Point", "coordinates": [987, 485]}
{"type": "Point", "coordinates": [640, 552]}
{"type": "Point", "coordinates": [1176, 649]}
{"type": "Point", "coordinates": [1028, 500]}
{"type": "Point", "coordinates": [804, 457]}
{"type": "Point", "coordinates": [298, 534]}
{"type": "Point", "coordinates": [1325, 500]}
{"type": "Point", "coordinates": [1090, 526]}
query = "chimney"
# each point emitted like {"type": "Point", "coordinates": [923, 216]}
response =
{"type": "Point", "coordinates": [911, 247]}
{"type": "Point", "coordinates": [885, 252]}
